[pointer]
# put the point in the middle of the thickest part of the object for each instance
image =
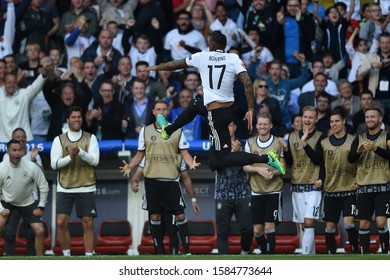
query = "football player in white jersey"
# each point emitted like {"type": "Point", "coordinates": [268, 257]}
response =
{"type": "Point", "coordinates": [218, 70]}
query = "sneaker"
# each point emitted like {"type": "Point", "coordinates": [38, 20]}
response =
{"type": "Point", "coordinates": [273, 160]}
{"type": "Point", "coordinates": [188, 254]}
{"type": "Point", "coordinates": [162, 122]}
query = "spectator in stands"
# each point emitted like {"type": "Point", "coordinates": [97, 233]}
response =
{"type": "Point", "coordinates": [319, 67]}
{"type": "Point", "coordinates": [340, 189]}
{"type": "Point", "coordinates": [281, 89]}
{"type": "Point", "coordinates": [103, 53]}
{"type": "Point", "coordinates": [335, 31]}
{"type": "Point", "coordinates": [75, 154]}
{"type": "Point", "coordinates": [31, 66]}
{"type": "Point", "coordinates": [358, 119]}
{"type": "Point", "coordinates": [259, 57]}
{"type": "Point", "coordinates": [376, 67]}
{"type": "Point", "coordinates": [192, 130]}
{"type": "Point", "coordinates": [309, 98]}
{"type": "Point", "coordinates": [117, 34]}
{"type": "Point", "coordinates": [184, 40]}
{"type": "Point", "coordinates": [154, 89]}
{"type": "Point", "coordinates": [371, 153]}
{"type": "Point", "coordinates": [232, 196]}
{"type": "Point", "coordinates": [93, 80]}
{"type": "Point", "coordinates": [146, 11]}
{"type": "Point", "coordinates": [35, 26]}
{"type": "Point", "coordinates": [265, 103]}
{"type": "Point", "coordinates": [323, 101]}
{"type": "Point", "coordinates": [266, 184]}
{"type": "Point", "coordinates": [122, 81]}
{"type": "Point", "coordinates": [367, 30]}
{"type": "Point", "coordinates": [164, 194]}
{"type": "Point", "coordinates": [226, 25]}
{"type": "Point", "coordinates": [347, 100]}
{"type": "Point", "coordinates": [332, 69]}
{"type": "Point", "coordinates": [69, 18]}
{"type": "Point", "coordinates": [10, 229]}
{"type": "Point", "coordinates": [56, 56]}
{"type": "Point", "coordinates": [14, 102]}
{"type": "Point", "coordinates": [8, 36]}
{"type": "Point", "coordinates": [201, 16]}
{"type": "Point", "coordinates": [78, 39]}
{"type": "Point", "coordinates": [117, 10]}
{"type": "Point", "coordinates": [302, 154]}
{"type": "Point", "coordinates": [138, 110]}
{"type": "Point", "coordinates": [105, 119]}
{"type": "Point", "coordinates": [263, 15]}
{"type": "Point", "coordinates": [61, 101]}
{"type": "Point", "coordinates": [299, 32]}
{"type": "Point", "coordinates": [145, 48]}
{"type": "Point", "coordinates": [10, 63]}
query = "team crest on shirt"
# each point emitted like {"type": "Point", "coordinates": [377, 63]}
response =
{"type": "Point", "coordinates": [296, 145]}
{"type": "Point", "coordinates": [24, 173]}
{"type": "Point", "coordinates": [330, 153]}
{"type": "Point", "coordinates": [153, 138]}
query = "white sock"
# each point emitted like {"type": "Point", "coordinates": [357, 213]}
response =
{"type": "Point", "coordinates": [308, 241]}
{"type": "Point", "coordinates": [244, 252]}
{"type": "Point", "coordinates": [88, 253]}
{"type": "Point", "coordinates": [66, 253]}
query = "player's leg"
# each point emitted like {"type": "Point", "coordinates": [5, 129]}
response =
{"type": "Point", "coordinates": [154, 201]}
{"type": "Point", "coordinates": [174, 202]}
{"type": "Point", "coordinates": [332, 209]}
{"type": "Point", "coordinates": [382, 213]}
{"type": "Point", "coordinates": [349, 212]}
{"type": "Point", "coordinates": [258, 221]}
{"type": "Point", "coordinates": [312, 213]}
{"type": "Point", "coordinates": [243, 217]}
{"type": "Point", "coordinates": [168, 222]}
{"type": "Point", "coordinates": [35, 222]}
{"type": "Point", "coordinates": [195, 107]}
{"type": "Point", "coordinates": [273, 215]}
{"type": "Point", "coordinates": [64, 205]}
{"type": "Point", "coordinates": [365, 210]}
{"type": "Point", "coordinates": [223, 215]}
{"type": "Point", "coordinates": [86, 211]}
{"type": "Point", "coordinates": [10, 231]}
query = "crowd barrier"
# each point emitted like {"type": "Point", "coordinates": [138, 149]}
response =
{"type": "Point", "coordinates": [107, 146]}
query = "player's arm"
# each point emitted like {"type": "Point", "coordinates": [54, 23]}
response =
{"type": "Point", "coordinates": [169, 66]}
{"type": "Point", "coordinates": [246, 81]}
{"type": "Point", "coordinates": [136, 179]}
{"type": "Point", "coordinates": [127, 167]}
{"type": "Point", "coordinates": [187, 182]}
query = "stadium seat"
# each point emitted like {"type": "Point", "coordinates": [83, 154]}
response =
{"type": "Point", "coordinates": [20, 242]}
{"type": "Point", "coordinates": [287, 237]}
{"type": "Point", "coordinates": [76, 240]}
{"type": "Point", "coordinates": [147, 245]}
{"type": "Point", "coordinates": [2, 242]}
{"type": "Point", "coordinates": [203, 236]}
{"type": "Point", "coordinates": [114, 237]}
{"type": "Point", "coordinates": [374, 239]}
{"type": "Point", "coordinates": [320, 237]}
{"type": "Point", "coordinates": [234, 239]}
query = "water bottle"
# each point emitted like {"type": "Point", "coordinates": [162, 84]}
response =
{"type": "Point", "coordinates": [99, 132]}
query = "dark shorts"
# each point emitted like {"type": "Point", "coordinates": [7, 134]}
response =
{"type": "Point", "coordinates": [26, 212]}
{"type": "Point", "coordinates": [368, 203]}
{"type": "Point", "coordinates": [163, 196]}
{"type": "Point", "coordinates": [84, 202]}
{"type": "Point", "coordinates": [333, 206]}
{"type": "Point", "coordinates": [266, 208]}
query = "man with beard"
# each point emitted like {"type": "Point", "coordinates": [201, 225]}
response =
{"type": "Point", "coordinates": [371, 152]}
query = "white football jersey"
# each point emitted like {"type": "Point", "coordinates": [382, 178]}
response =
{"type": "Point", "coordinates": [218, 72]}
